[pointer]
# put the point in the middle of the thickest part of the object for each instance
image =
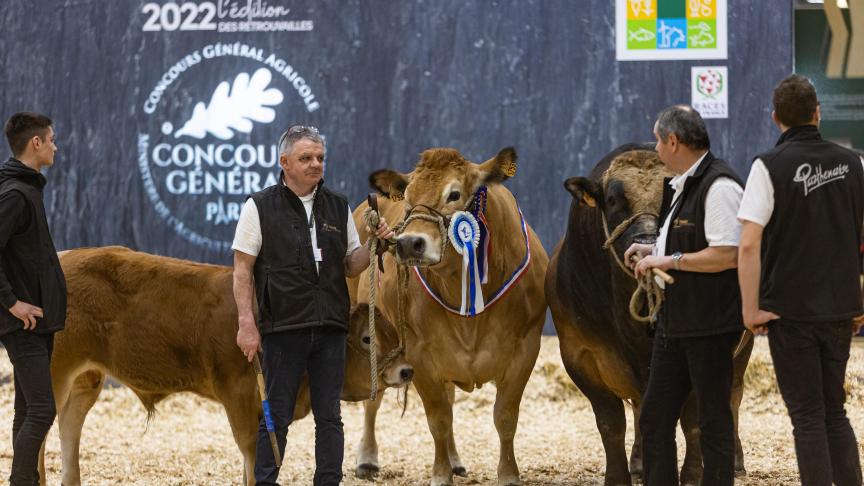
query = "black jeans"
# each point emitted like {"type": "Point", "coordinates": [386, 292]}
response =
{"type": "Point", "coordinates": [679, 365]}
{"type": "Point", "coordinates": [30, 354]}
{"type": "Point", "coordinates": [810, 362]}
{"type": "Point", "coordinates": [287, 356]}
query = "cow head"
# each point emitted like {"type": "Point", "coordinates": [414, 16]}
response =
{"type": "Point", "coordinates": [632, 184]}
{"type": "Point", "coordinates": [395, 373]}
{"type": "Point", "coordinates": [442, 183]}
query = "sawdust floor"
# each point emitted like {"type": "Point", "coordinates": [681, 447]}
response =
{"type": "Point", "coordinates": [189, 442]}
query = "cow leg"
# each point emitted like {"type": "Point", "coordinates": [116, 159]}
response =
{"type": "Point", "coordinates": [737, 395]}
{"type": "Point", "coordinates": [691, 470]}
{"type": "Point", "coordinates": [367, 450]}
{"type": "Point", "coordinates": [61, 385]}
{"type": "Point", "coordinates": [636, 451]}
{"type": "Point", "coordinates": [70, 419]}
{"type": "Point", "coordinates": [439, 416]}
{"type": "Point", "coordinates": [740, 368]}
{"type": "Point", "coordinates": [612, 424]}
{"type": "Point", "coordinates": [508, 397]}
{"type": "Point", "coordinates": [43, 481]}
{"type": "Point", "coordinates": [452, 453]}
{"type": "Point", "coordinates": [242, 412]}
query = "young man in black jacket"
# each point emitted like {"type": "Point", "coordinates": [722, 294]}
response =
{"type": "Point", "coordinates": [32, 288]}
{"type": "Point", "coordinates": [799, 271]}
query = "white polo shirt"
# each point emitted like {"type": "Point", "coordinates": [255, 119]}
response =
{"type": "Point", "coordinates": [722, 228]}
{"type": "Point", "coordinates": [247, 237]}
{"type": "Point", "coordinates": [757, 205]}
{"type": "Point", "coordinates": [721, 207]}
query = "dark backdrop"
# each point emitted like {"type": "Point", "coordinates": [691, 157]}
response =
{"type": "Point", "coordinates": [390, 78]}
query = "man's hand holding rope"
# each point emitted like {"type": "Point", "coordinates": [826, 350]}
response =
{"type": "Point", "coordinates": [383, 231]}
{"type": "Point", "coordinates": [358, 261]}
{"type": "Point", "coordinates": [639, 250]}
{"type": "Point", "coordinates": [645, 265]}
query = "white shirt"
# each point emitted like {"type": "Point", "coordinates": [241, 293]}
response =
{"type": "Point", "coordinates": [247, 237]}
{"type": "Point", "coordinates": [721, 207]}
{"type": "Point", "coordinates": [758, 202]}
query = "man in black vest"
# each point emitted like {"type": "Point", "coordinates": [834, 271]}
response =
{"type": "Point", "coordinates": [699, 324]}
{"type": "Point", "coordinates": [32, 288]}
{"type": "Point", "coordinates": [802, 215]}
{"type": "Point", "coordinates": [295, 244]}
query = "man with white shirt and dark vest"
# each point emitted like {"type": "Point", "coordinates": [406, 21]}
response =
{"type": "Point", "coordinates": [699, 323]}
{"type": "Point", "coordinates": [295, 243]}
{"type": "Point", "coordinates": [799, 270]}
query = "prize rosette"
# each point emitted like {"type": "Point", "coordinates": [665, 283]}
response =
{"type": "Point", "coordinates": [464, 234]}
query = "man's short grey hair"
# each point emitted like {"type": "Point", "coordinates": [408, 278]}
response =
{"type": "Point", "coordinates": [686, 123]}
{"type": "Point", "coordinates": [298, 132]}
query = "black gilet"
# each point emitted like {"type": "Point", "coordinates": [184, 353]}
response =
{"type": "Point", "coordinates": [291, 294]}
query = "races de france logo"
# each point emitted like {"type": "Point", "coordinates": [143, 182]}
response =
{"type": "Point", "coordinates": [204, 148]}
{"type": "Point", "coordinates": [710, 91]}
{"type": "Point", "coordinates": [709, 83]}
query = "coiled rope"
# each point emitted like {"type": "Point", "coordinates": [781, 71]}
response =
{"type": "Point", "coordinates": [648, 292]}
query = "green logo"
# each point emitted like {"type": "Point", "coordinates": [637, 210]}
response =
{"type": "Point", "coordinates": [702, 34]}
{"type": "Point", "coordinates": [642, 34]}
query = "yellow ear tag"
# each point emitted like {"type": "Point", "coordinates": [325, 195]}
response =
{"type": "Point", "coordinates": [588, 200]}
{"type": "Point", "coordinates": [510, 169]}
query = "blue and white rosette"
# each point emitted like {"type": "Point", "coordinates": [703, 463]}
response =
{"type": "Point", "coordinates": [464, 234]}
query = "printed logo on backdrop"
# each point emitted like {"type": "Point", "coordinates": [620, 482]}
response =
{"type": "Point", "coordinates": [206, 142]}
{"type": "Point", "coordinates": [649, 30]}
{"type": "Point", "coordinates": [710, 93]}
{"type": "Point", "coordinates": [222, 16]}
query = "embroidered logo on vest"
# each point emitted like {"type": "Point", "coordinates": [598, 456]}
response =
{"type": "Point", "coordinates": [813, 181]}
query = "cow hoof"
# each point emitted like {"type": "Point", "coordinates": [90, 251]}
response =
{"type": "Point", "coordinates": [740, 473]}
{"type": "Point", "coordinates": [366, 471]}
{"type": "Point", "coordinates": [460, 471]}
{"type": "Point", "coordinates": [636, 477]}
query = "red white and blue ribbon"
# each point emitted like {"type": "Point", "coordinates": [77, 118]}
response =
{"type": "Point", "coordinates": [484, 248]}
{"type": "Point", "coordinates": [464, 234]}
{"type": "Point", "coordinates": [495, 296]}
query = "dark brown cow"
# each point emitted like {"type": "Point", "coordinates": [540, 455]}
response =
{"type": "Point", "coordinates": [605, 351]}
{"type": "Point", "coordinates": [162, 326]}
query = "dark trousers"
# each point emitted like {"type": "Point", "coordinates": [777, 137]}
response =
{"type": "Point", "coordinates": [30, 354]}
{"type": "Point", "coordinates": [810, 363]}
{"type": "Point", "coordinates": [679, 365]}
{"type": "Point", "coordinates": [286, 357]}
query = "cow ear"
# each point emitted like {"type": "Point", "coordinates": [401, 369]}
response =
{"type": "Point", "coordinates": [585, 191]}
{"type": "Point", "coordinates": [359, 316]}
{"type": "Point", "coordinates": [389, 183]}
{"type": "Point", "coordinates": [499, 168]}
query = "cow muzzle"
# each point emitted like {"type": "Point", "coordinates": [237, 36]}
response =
{"type": "Point", "coordinates": [643, 230]}
{"type": "Point", "coordinates": [425, 247]}
{"type": "Point", "coordinates": [411, 247]}
{"type": "Point", "coordinates": [416, 249]}
{"type": "Point", "coordinates": [399, 375]}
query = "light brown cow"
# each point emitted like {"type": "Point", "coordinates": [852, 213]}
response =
{"type": "Point", "coordinates": [500, 344]}
{"type": "Point", "coordinates": [162, 326]}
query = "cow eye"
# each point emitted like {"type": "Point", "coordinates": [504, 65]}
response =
{"type": "Point", "coordinates": [366, 340]}
{"type": "Point", "coordinates": [454, 196]}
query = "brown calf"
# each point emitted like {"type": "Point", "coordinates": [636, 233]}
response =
{"type": "Point", "coordinates": [162, 326]}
